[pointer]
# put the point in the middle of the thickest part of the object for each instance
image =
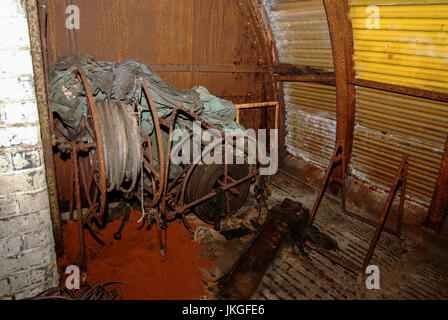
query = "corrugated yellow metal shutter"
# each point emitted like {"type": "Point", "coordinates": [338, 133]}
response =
{"type": "Point", "coordinates": [310, 121]}
{"type": "Point", "coordinates": [302, 36]}
{"type": "Point", "coordinates": [301, 32]}
{"type": "Point", "coordinates": [407, 46]}
{"type": "Point", "coordinates": [389, 125]}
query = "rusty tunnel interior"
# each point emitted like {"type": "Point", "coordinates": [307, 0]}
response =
{"type": "Point", "coordinates": [344, 195]}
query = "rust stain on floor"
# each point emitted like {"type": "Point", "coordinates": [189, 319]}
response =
{"type": "Point", "coordinates": [136, 260]}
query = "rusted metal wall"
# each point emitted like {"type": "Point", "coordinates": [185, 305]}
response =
{"type": "Point", "coordinates": [301, 32]}
{"type": "Point", "coordinates": [407, 46]}
{"type": "Point", "coordinates": [212, 43]}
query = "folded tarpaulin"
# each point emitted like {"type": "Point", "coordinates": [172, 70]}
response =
{"type": "Point", "coordinates": [112, 81]}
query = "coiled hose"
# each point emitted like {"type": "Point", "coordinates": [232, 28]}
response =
{"type": "Point", "coordinates": [122, 145]}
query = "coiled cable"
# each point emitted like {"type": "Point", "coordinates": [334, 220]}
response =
{"type": "Point", "coordinates": [122, 144]}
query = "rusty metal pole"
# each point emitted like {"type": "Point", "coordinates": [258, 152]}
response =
{"type": "Point", "coordinates": [438, 210]}
{"type": "Point", "coordinates": [399, 181]}
{"type": "Point", "coordinates": [44, 119]}
{"type": "Point", "coordinates": [79, 214]}
{"type": "Point", "coordinates": [341, 35]}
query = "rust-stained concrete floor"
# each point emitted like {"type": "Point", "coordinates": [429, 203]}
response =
{"type": "Point", "coordinates": [410, 268]}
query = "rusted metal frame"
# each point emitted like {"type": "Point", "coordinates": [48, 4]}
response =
{"type": "Point", "coordinates": [438, 210]}
{"type": "Point", "coordinates": [161, 151]}
{"type": "Point", "coordinates": [226, 175]}
{"type": "Point", "coordinates": [189, 170]}
{"type": "Point", "coordinates": [74, 156]}
{"type": "Point", "coordinates": [213, 193]}
{"type": "Point", "coordinates": [148, 163]}
{"type": "Point", "coordinates": [192, 166]}
{"type": "Point", "coordinates": [172, 122]}
{"type": "Point", "coordinates": [266, 37]}
{"type": "Point", "coordinates": [44, 118]}
{"type": "Point", "coordinates": [45, 64]}
{"type": "Point", "coordinates": [416, 92]}
{"type": "Point", "coordinates": [150, 159]}
{"type": "Point", "coordinates": [341, 34]}
{"type": "Point", "coordinates": [224, 187]}
{"type": "Point", "coordinates": [336, 159]}
{"type": "Point", "coordinates": [400, 181]}
{"type": "Point", "coordinates": [306, 78]}
{"type": "Point", "coordinates": [91, 173]}
{"type": "Point", "coordinates": [98, 143]}
{"type": "Point", "coordinates": [275, 104]}
{"type": "Point", "coordinates": [90, 200]}
{"type": "Point", "coordinates": [206, 68]}
{"type": "Point", "coordinates": [258, 33]}
{"type": "Point", "coordinates": [72, 182]}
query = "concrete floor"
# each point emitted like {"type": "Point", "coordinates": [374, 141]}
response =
{"type": "Point", "coordinates": [410, 268]}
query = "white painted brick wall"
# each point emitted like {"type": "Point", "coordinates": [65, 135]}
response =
{"type": "Point", "coordinates": [27, 255]}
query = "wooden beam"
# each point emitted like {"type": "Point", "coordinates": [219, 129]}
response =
{"type": "Point", "coordinates": [341, 35]}
{"type": "Point", "coordinates": [438, 210]}
{"type": "Point", "coordinates": [422, 93]}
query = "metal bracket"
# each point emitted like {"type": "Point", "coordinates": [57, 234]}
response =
{"type": "Point", "coordinates": [400, 182]}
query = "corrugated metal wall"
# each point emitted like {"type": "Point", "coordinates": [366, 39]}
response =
{"type": "Point", "coordinates": [301, 32]}
{"type": "Point", "coordinates": [408, 46]}
{"type": "Point", "coordinates": [389, 125]}
{"type": "Point", "coordinates": [310, 121]}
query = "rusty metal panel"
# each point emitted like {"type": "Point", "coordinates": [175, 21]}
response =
{"type": "Point", "coordinates": [189, 42]}
{"type": "Point", "coordinates": [310, 121]}
{"type": "Point", "coordinates": [408, 46]}
{"type": "Point", "coordinates": [301, 32]}
{"type": "Point", "coordinates": [389, 125]}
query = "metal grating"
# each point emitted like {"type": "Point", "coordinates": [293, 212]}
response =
{"type": "Point", "coordinates": [409, 45]}
{"type": "Point", "coordinates": [301, 32]}
{"type": "Point", "coordinates": [310, 121]}
{"type": "Point", "coordinates": [389, 125]}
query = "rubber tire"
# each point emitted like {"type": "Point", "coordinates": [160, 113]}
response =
{"type": "Point", "coordinates": [203, 181]}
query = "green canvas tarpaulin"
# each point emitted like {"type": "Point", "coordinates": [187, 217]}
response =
{"type": "Point", "coordinates": [112, 81]}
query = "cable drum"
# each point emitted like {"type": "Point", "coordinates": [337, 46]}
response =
{"type": "Point", "coordinates": [122, 144]}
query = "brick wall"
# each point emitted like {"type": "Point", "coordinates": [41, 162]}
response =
{"type": "Point", "coordinates": [27, 255]}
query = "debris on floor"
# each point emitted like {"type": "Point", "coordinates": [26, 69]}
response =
{"type": "Point", "coordinates": [236, 233]}
{"type": "Point", "coordinates": [287, 221]}
{"type": "Point", "coordinates": [410, 269]}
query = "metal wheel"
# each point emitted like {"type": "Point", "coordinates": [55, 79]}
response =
{"type": "Point", "coordinates": [209, 178]}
